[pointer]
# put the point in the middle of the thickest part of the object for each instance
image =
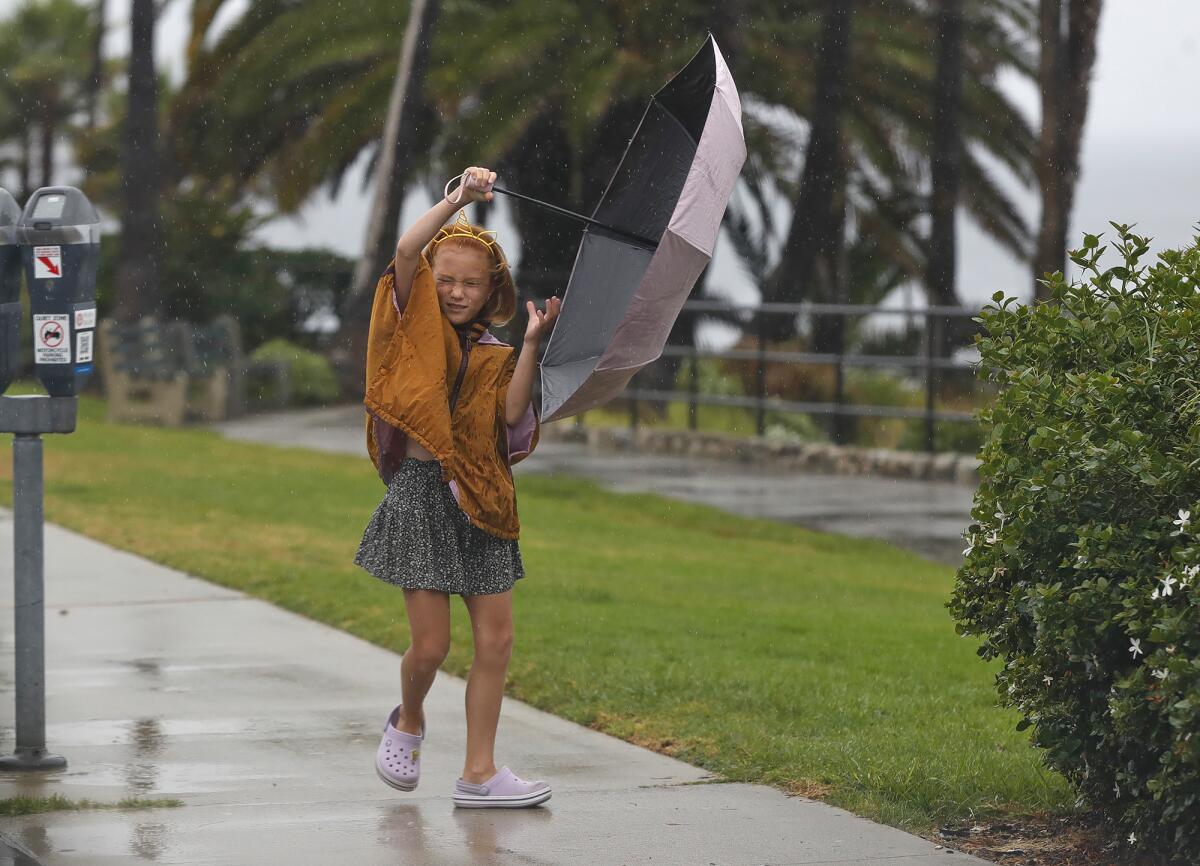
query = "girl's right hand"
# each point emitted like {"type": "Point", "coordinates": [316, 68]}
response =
{"type": "Point", "coordinates": [475, 184]}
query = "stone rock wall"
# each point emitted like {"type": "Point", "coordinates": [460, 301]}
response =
{"type": "Point", "coordinates": [786, 456]}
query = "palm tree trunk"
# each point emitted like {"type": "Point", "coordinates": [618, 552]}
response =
{"type": "Point", "coordinates": [137, 266]}
{"type": "Point", "coordinates": [96, 79]}
{"type": "Point", "coordinates": [1068, 52]}
{"type": "Point", "coordinates": [391, 180]}
{"type": "Point", "coordinates": [810, 263]}
{"type": "Point", "coordinates": [541, 166]}
{"type": "Point", "coordinates": [48, 126]}
{"type": "Point", "coordinates": [25, 167]}
{"type": "Point", "coordinates": [944, 163]}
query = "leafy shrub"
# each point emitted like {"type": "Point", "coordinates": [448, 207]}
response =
{"type": "Point", "coordinates": [310, 376]}
{"type": "Point", "coordinates": [1081, 570]}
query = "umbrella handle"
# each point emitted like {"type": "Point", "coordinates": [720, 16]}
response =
{"type": "Point", "coordinates": [470, 184]}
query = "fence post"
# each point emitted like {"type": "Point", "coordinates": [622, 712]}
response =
{"type": "Point", "coordinates": [693, 390]}
{"type": "Point", "coordinates": [760, 376]}
{"type": "Point", "coordinates": [839, 398]}
{"type": "Point", "coordinates": [932, 332]}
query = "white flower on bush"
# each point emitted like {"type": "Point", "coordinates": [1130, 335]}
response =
{"type": "Point", "coordinates": [1189, 572]}
{"type": "Point", "coordinates": [1135, 647]}
{"type": "Point", "coordinates": [970, 545]}
{"type": "Point", "coordinates": [992, 537]}
{"type": "Point", "coordinates": [1161, 673]}
{"type": "Point", "coordinates": [1047, 679]}
{"type": "Point", "coordinates": [1154, 595]}
{"type": "Point", "coordinates": [1182, 522]}
{"type": "Point", "coordinates": [1132, 838]}
{"type": "Point", "coordinates": [1167, 583]}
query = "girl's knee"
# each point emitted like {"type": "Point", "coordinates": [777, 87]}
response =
{"type": "Point", "coordinates": [494, 642]}
{"type": "Point", "coordinates": [428, 653]}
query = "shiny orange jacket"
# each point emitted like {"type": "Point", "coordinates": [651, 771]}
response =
{"type": "Point", "coordinates": [446, 389]}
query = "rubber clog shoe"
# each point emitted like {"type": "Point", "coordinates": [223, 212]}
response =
{"type": "Point", "coordinates": [503, 790]}
{"type": "Point", "coordinates": [398, 758]}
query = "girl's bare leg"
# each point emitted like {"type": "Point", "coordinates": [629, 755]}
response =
{"type": "Point", "coordinates": [429, 623]}
{"type": "Point", "coordinates": [492, 629]}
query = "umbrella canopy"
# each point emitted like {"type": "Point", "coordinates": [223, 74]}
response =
{"type": "Point", "coordinates": [661, 213]}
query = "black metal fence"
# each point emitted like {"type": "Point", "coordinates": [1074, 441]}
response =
{"type": "Point", "coordinates": [928, 361]}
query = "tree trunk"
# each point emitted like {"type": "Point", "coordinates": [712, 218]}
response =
{"type": "Point", "coordinates": [48, 125]}
{"type": "Point", "coordinates": [1068, 53]}
{"type": "Point", "coordinates": [391, 181]}
{"type": "Point", "coordinates": [944, 164]}
{"type": "Point", "coordinates": [540, 165]}
{"type": "Point", "coordinates": [137, 266]}
{"type": "Point", "coordinates": [25, 167]}
{"type": "Point", "coordinates": [96, 79]}
{"type": "Point", "coordinates": [814, 240]}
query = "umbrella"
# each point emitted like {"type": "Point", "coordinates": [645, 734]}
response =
{"type": "Point", "coordinates": [648, 239]}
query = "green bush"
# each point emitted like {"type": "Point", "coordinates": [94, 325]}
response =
{"type": "Point", "coordinates": [1081, 569]}
{"type": "Point", "coordinates": [311, 378]}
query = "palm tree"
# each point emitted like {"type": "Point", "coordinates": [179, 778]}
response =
{"type": "Point", "coordinates": [141, 175]}
{"type": "Point", "coordinates": [96, 78]}
{"type": "Point", "coordinates": [43, 81]}
{"type": "Point", "coordinates": [813, 251]}
{"type": "Point", "coordinates": [944, 161]}
{"type": "Point", "coordinates": [392, 172]}
{"type": "Point", "coordinates": [1067, 31]}
{"type": "Point", "coordinates": [549, 92]}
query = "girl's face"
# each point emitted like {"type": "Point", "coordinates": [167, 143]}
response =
{"type": "Point", "coordinates": [464, 283]}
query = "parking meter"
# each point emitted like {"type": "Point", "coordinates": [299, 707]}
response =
{"type": "Point", "coordinates": [10, 291]}
{"type": "Point", "coordinates": [59, 235]}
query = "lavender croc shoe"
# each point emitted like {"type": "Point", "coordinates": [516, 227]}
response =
{"type": "Point", "coordinates": [398, 758]}
{"type": "Point", "coordinates": [503, 790]}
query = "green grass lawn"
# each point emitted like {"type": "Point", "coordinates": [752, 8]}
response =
{"type": "Point", "coordinates": [763, 652]}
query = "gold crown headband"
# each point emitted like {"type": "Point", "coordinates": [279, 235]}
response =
{"type": "Point", "coordinates": [462, 229]}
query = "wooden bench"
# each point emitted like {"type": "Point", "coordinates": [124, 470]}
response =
{"type": "Point", "coordinates": [142, 367]}
{"type": "Point", "coordinates": [172, 372]}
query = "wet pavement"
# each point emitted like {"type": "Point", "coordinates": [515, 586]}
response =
{"type": "Point", "coordinates": [923, 516]}
{"type": "Point", "coordinates": [265, 723]}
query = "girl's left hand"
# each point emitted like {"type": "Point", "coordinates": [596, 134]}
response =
{"type": "Point", "coordinates": [540, 321]}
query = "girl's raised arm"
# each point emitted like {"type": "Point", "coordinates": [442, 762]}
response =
{"type": "Point", "coordinates": [421, 232]}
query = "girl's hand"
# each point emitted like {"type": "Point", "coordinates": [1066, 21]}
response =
{"type": "Point", "coordinates": [475, 184]}
{"type": "Point", "coordinates": [540, 322]}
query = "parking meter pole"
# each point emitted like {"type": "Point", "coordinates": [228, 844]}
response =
{"type": "Point", "coordinates": [27, 418]}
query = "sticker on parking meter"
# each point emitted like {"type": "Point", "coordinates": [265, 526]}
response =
{"type": "Point", "coordinates": [85, 318]}
{"type": "Point", "coordinates": [47, 263]}
{"type": "Point", "coordinates": [50, 344]}
{"type": "Point", "coordinates": [83, 346]}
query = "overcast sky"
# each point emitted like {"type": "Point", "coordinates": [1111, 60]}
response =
{"type": "Point", "coordinates": [1138, 164]}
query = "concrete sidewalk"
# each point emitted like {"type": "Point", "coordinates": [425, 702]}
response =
{"type": "Point", "coordinates": [265, 724]}
{"type": "Point", "coordinates": [927, 517]}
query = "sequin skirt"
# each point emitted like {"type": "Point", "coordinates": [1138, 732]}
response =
{"type": "Point", "coordinates": [419, 538]}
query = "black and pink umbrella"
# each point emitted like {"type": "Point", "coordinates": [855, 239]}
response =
{"type": "Point", "coordinates": [648, 239]}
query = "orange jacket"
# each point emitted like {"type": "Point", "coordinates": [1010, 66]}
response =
{"type": "Point", "coordinates": [415, 358]}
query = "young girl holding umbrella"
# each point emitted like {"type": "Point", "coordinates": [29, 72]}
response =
{"type": "Point", "coordinates": [449, 410]}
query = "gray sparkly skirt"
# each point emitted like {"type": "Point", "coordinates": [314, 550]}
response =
{"type": "Point", "coordinates": [419, 538]}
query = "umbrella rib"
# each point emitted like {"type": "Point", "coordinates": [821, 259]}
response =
{"type": "Point", "coordinates": [563, 211]}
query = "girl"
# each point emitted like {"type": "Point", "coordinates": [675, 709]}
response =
{"type": "Point", "coordinates": [449, 411]}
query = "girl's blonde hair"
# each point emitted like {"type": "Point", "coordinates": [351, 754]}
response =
{"type": "Point", "coordinates": [501, 306]}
